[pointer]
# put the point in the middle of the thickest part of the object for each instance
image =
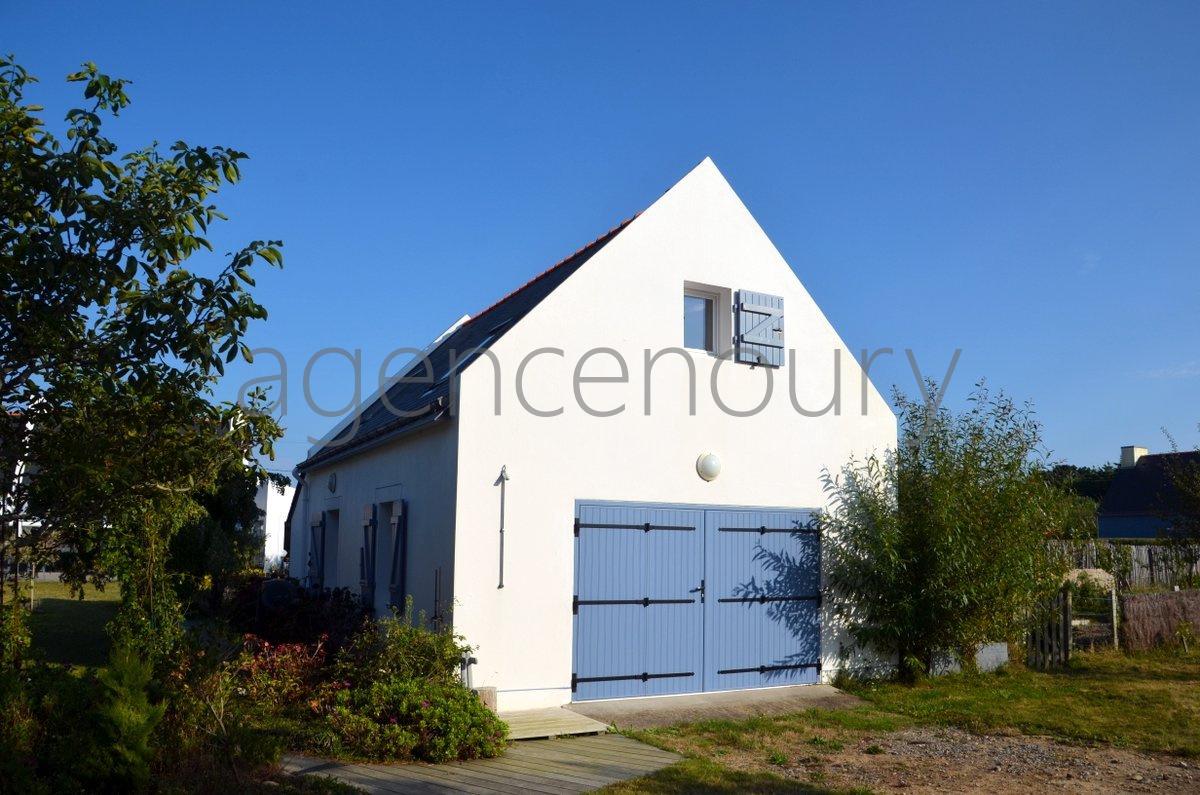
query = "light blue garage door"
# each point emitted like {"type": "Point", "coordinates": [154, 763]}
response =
{"type": "Point", "coordinates": [681, 600]}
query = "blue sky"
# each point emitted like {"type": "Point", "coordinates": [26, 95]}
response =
{"type": "Point", "coordinates": [1018, 181]}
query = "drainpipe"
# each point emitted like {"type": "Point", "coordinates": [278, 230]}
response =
{"type": "Point", "coordinates": [502, 481]}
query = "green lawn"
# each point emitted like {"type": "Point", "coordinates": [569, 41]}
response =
{"type": "Point", "coordinates": [1150, 702]}
{"type": "Point", "coordinates": [68, 630]}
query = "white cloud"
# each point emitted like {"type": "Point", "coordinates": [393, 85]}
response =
{"type": "Point", "coordinates": [1186, 370]}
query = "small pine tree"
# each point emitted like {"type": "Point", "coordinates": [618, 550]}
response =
{"type": "Point", "coordinates": [128, 717]}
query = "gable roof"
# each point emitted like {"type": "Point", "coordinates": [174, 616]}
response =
{"type": "Point", "coordinates": [1145, 488]}
{"type": "Point", "coordinates": [406, 404]}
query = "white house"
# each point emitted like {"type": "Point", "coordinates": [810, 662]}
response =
{"type": "Point", "coordinates": [276, 506]}
{"type": "Point", "coordinates": [590, 478]}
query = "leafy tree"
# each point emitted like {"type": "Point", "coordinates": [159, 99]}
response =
{"type": "Point", "coordinates": [110, 344]}
{"type": "Point", "coordinates": [1090, 482]}
{"type": "Point", "coordinates": [940, 546]}
{"type": "Point", "coordinates": [227, 537]}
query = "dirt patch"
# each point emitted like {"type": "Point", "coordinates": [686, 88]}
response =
{"type": "Point", "coordinates": [934, 760]}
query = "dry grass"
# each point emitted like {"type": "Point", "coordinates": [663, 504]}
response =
{"type": "Point", "coordinates": [1127, 705]}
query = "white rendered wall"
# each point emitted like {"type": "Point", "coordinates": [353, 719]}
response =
{"type": "Point", "coordinates": [419, 468]}
{"type": "Point", "coordinates": [629, 297]}
{"type": "Point", "coordinates": [275, 508]}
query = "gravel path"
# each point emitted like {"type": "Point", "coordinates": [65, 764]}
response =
{"type": "Point", "coordinates": [950, 760]}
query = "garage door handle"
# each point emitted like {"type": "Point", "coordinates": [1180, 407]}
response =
{"type": "Point", "coordinates": [699, 590]}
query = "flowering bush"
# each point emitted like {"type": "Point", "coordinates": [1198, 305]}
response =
{"type": "Point", "coordinates": [279, 673]}
{"type": "Point", "coordinates": [400, 719]}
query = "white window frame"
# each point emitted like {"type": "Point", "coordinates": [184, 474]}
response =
{"type": "Point", "coordinates": [722, 319]}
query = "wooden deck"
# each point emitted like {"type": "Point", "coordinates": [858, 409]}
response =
{"type": "Point", "coordinates": [578, 764]}
{"type": "Point", "coordinates": [553, 722]}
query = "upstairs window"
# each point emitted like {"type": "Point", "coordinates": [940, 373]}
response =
{"type": "Point", "coordinates": [699, 321]}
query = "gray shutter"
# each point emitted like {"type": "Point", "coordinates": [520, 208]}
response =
{"type": "Point", "coordinates": [366, 557]}
{"type": "Point", "coordinates": [398, 579]}
{"type": "Point", "coordinates": [759, 329]}
{"type": "Point", "coordinates": [316, 553]}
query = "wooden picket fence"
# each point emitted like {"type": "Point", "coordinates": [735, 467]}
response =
{"type": "Point", "coordinates": [1138, 565]}
{"type": "Point", "coordinates": [1050, 639]}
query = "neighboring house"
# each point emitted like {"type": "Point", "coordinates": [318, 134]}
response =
{"type": "Point", "coordinates": [1141, 495]}
{"type": "Point", "coordinates": [276, 507]}
{"type": "Point", "coordinates": [15, 474]}
{"type": "Point", "coordinates": [640, 553]}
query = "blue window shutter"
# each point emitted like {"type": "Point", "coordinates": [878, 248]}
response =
{"type": "Point", "coordinates": [759, 329]}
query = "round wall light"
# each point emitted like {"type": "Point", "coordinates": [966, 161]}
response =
{"type": "Point", "coordinates": [708, 466]}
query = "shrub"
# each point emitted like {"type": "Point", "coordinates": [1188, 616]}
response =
{"type": "Point", "coordinates": [127, 717]}
{"type": "Point", "coordinates": [52, 733]}
{"type": "Point", "coordinates": [149, 621]}
{"type": "Point", "coordinates": [74, 752]}
{"type": "Point", "coordinates": [1087, 588]}
{"type": "Point", "coordinates": [941, 546]}
{"type": "Point", "coordinates": [273, 675]}
{"type": "Point", "coordinates": [330, 617]}
{"type": "Point", "coordinates": [400, 647]}
{"type": "Point", "coordinates": [15, 638]}
{"type": "Point", "coordinates": [19, 734]}
{"type": "Point", "coordinates": [419, 719]}
{"type": "Point", "coordinates": [209, 726]}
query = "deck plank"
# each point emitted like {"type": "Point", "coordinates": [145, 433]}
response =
{"type": "Point", "coordinates": [562, 774]}
{"type": "Point", "coordinates": [550, 722]}
{"type": "Point", "coordinates": [505, 780]}
{"type": "Point", "coordinates": [545, 767]}
{"type": "Point", "coordinates": [613, 755]}
{"type": "Point", "coordinates": [601, 764]}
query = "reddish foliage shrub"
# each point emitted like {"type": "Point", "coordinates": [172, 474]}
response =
{"type": "Point", "coordinates": [280, 672]}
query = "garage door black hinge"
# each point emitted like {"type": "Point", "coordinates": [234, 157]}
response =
{"type": "Point", "coordinates": [645, 601]}
{"type": "Point", "coordinates": [643, 677]}
{"type": "Point", "coordinates": [577, 527]}
{"type": "Point", "coordinates": [763, 599]}
{"type": "Point", "coordinates": [764, 669]}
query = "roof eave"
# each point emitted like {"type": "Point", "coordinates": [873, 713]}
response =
{"type": "Point", "coordinates": [437, 412]}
